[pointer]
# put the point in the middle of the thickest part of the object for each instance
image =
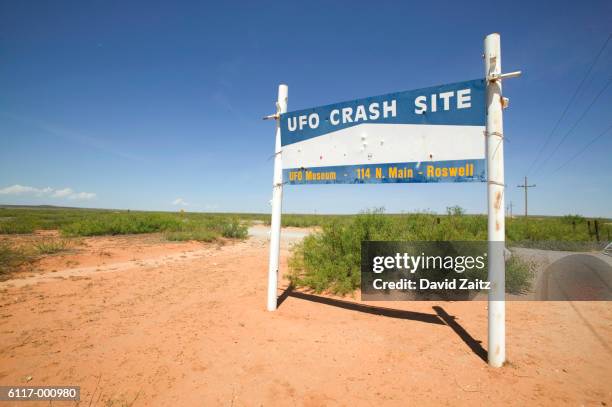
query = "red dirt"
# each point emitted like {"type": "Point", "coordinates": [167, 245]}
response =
{"type": "Point", "coordinates": [172, 330]}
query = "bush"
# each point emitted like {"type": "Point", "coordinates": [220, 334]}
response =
{"type": "Point", "coordinates": [455, 210]}
{"type": "Point", "coordinates": [233, 228]}
{"type": "Point", "coordinates": [200, 236]}
{"type": "Point", "coordinates": [573, 219]}
{"type": "Point", "coordinates": [11, 259]}
{"type": "Point", "coordinates": [122, 224]}
{"type": "Point", "coordinates": [519, 275]}
{"type": "Point", "coordinates": [331, 259]}
{"type": "Point", "coordinates": [51, 246]}
{"type": "Point", "coordinates": [15, 226]}
{"type": "Point", "coordinates": [175, 226]}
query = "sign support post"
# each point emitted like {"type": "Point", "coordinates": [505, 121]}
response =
{"type": "Point", "coordinates": [277, 201]}
{"type": "Point", "coordinates": [495, 197]}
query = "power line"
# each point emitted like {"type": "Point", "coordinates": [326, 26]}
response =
{"type": "Point", "coordinates": [569, 104]}
{"type": "Point", "coordinates": [585, 148]}
{"type": "Point", "coordinates": [575, 124]}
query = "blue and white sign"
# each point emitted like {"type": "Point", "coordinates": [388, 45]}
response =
{"type": "Point", "coordinates": [433, 134]}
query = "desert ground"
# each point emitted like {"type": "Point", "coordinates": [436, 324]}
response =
{"type": "Point", "coordinates": [137, 321]}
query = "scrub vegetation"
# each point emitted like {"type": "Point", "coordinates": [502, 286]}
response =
{"type": "Point", "coordinates": [330, 259]}
{"type": "Point", "coordinates": [73, 223]}
{"type": "Point", "coordinates": [185, 236]}
{"type": "Point", "coordinates": [11, 258]}
{"type": "Point", "coordinates": [51, 246]}
{"type": "Point", "coordinates": [14, 256]}
{"type": "Point", "coordinates": [577, 232]}
{"type": "Point", "coordinates": [89, 222]}
{"type": "Point", "coordinates": [519, 275]}
{"type": "Point", "coordinates": [327, 260]}
{"type": "Point", "coordinates": [570, 232]}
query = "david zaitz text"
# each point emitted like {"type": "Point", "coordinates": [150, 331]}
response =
{"type": "Point", "coordinates": [425, 284]}
{"type": "Point", "coordinates": [425, 269]}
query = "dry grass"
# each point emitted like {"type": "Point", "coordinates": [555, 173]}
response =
{"type": "Point", "coordinates": [11, 259]}
{"type": "Point", "coordinates": [51, 246]}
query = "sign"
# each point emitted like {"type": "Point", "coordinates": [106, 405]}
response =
{"type": "Point", "coordinates": [434, 134]}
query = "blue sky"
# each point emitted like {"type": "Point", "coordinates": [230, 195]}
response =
{"type": "Point", "coordinates": [158, 105]}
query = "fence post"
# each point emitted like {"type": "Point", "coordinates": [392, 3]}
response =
{"type": "Point", "coordinates": [277, 202]}
{"type": "Point", "coordinates": [495, 197]}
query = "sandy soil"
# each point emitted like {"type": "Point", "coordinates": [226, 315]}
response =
{"type": "Point", "coordinates": [149, 323]}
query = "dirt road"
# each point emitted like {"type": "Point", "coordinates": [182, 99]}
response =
{"type": "Point", "coordinates": [577, 277]}
{"type": "Point", "coordinates": [150, 323]}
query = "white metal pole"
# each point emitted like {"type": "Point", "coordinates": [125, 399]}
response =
{"type": "Point", "coordinates": [495, 195]}
{"type": "Point", "coordinates": [277, 202]}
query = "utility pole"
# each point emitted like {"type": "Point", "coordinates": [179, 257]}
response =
{"type": "Point", "coordinates": [525, 185]}
{"type": "Point", "coordinates": [510, 210]}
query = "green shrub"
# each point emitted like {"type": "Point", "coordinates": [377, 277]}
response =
{"type": "Point", "coordinates": [455, 225]}
{"type": "Point", "coordinates": [15, 226]}
{"type": "Point", "coordinates": [199, 235]}
{"type": "Point", "coordinates": [122, 224]}
{"type": "Point", "coordinates": [455, 210]}
{"type": "Point", "coordinates": [573, 219]}
{"type": "Point", "coordinates": [11, 258]}
{"type": "Point", "coordinates": [51, 246]}
{"type": "Point", "coordinates": [519, 275]}
{"type": "Point", "coordinates": [331, 259]}
{"type": "Point", "coordinates": [177, 227]}
{"type": "Point", "coordinates": [233, 228]}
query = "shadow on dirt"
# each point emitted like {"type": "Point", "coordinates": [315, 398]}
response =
{"type": "Point", "coordinates": [441, 317]}
{"type": "Point", "coordinates": [474, 344]}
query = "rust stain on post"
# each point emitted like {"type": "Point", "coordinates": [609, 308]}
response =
{"type": "Point", "coordinates": [498, 197]}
